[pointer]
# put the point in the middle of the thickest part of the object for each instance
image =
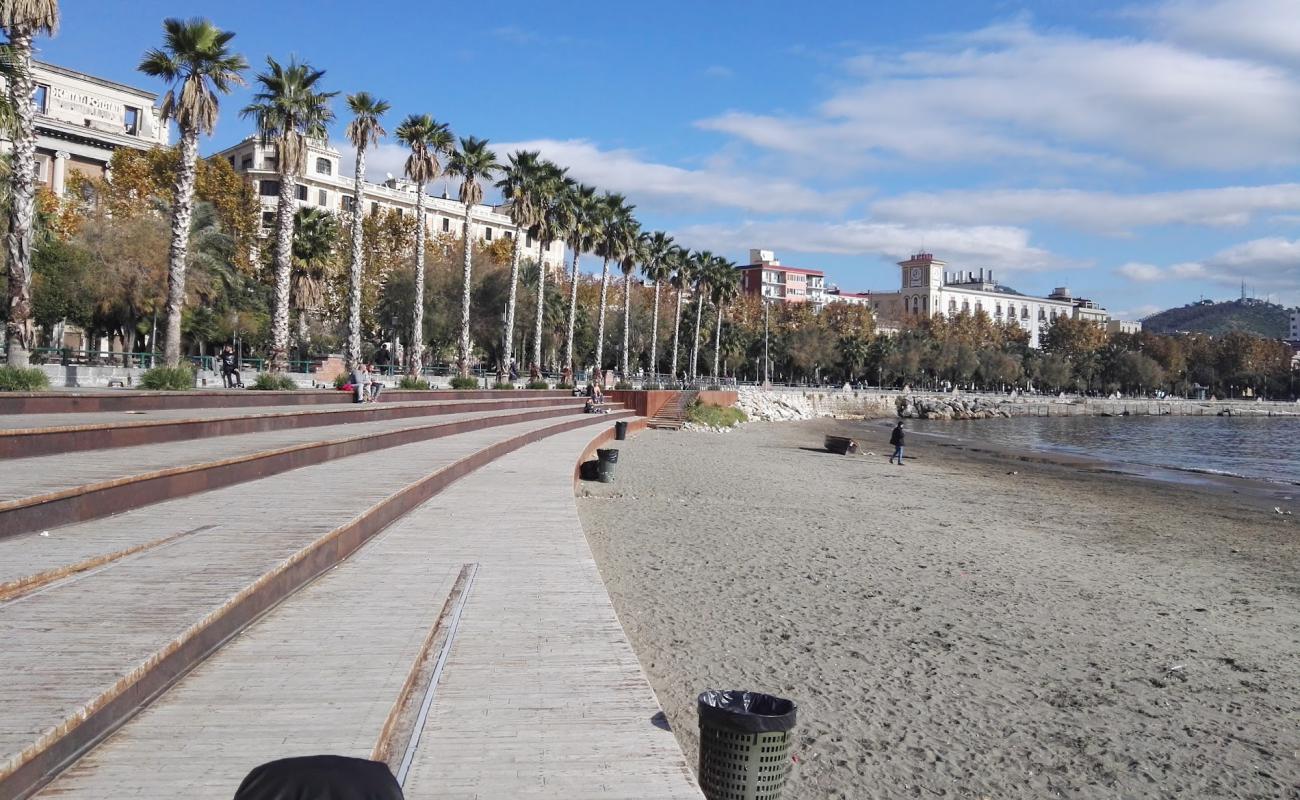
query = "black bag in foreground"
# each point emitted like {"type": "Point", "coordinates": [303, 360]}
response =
{"type": "Point", "coordinates": [746, 712]}
{"type": "Point", "coordinates": [320, 778]}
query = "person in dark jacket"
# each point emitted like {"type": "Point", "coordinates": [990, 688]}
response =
{"type": "Point", "coordinates": [230, 369]}
{"type": "Point", "coordinates": [320, 778]}
{"type": "Point", "coordinates": [896, 439]}
{"type": "Point", "coordinates": [382, 359]}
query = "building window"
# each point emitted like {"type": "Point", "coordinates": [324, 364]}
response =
{"type": "Point", "coordinates": [268, 188]}
{"type": "Point", "coordinates": [446, 225]}
{"type": "Point", "coordinates": [269, 162]}
{"type": "Point", "coordinates": [374, 207]}
{"type": "Point", "coordinates": [322, 197]}
{"type": "Point", "coordinates": [487, 234]}
{"type": "Point", "coordinates": [131, 121]}
{"type": "Point", "coordinates": [528, 240]}
{"type": "Point", "coordinates": [952, 306]}
{"type": "Point", "coordinates": [349, 203]}
{"type": "Point", "coordinates": [509, 235]}
{"type": "Point", "coordinates": [978, 306]}
{"type": "Point", "coordinates": [324, 167]}
{"type": "Point", "coordinates": [1042, 315]}
{"type": "Point", "coordinates": [302, 193]}
{"type": "Point", "coordinates": [41, 97]}
{"type": "Point", "coordinates": [246, 162]}
{"type": "Point", "coordinates": [1024, 312]}
{"type": "Point", "coordinates": [998, 310]}
{"type": "Point", "coordinates": [40, 168]}
{"type": "Point", "coordinates": [268, 219]}
{"type": "Point", "coordinates": [965, 306]}
{"type": "Point", "coordinates": [232, 162]}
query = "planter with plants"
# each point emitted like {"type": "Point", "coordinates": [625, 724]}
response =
{"type": "Point", "coordinates": [168, 379]}
{"type": "Point", "coordinates": [538, 385]}
{"type": "Point", "coordinates": [410, 382]}
{"type": "Point", "coordinates": [25, 379]}
{"type": "Point", "coordinates": [464, 383]}
{"type": "Point", "coordinates": [274, 382]}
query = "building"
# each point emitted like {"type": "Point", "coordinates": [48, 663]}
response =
{"type": "Point", "coordinates": [768, 278]}
{"type": "Point", "coordinates": [81, 120]}
{"type": "Point", "coordinates": [1123, 326]}
{"type": "Point", "coordinates": [1294, 334]}
{"type": "Point", "coordinates": [926, 289]}
{"type": "Point", "coordinates": [837, 295]}
{"type": "Point", "coordinates": [321, 186]}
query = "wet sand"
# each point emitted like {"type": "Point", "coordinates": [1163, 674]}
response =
{"type": "Point", "coordinates": [950, 629]}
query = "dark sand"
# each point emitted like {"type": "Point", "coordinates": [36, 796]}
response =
{"type": "Point", "coordinates": [952, 630]}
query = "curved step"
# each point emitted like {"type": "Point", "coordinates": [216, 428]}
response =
{"type": "Point", "coordinates": [102, 498]}
{"type": "Point", "coordinates": [115, 400]}
{"type": "Point", "coordinates": [19, 442]}
{"type": "Point", "coordinates": [69, 642]}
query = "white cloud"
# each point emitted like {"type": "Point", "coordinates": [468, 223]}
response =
{"type": "Point", "coordinates": [1010, 93]}
{"type": "Point", "coordinates": [1255, 28]}
{"type": "Point", "coordinates": [669, 188]}
{"type": "Point", "coordinates": [989, 246]}
{"type": "Point", "coordinates": [1103, 212]}
{"type": "Point", "coordinates": [1269, 265]}
{"type": "Point", "coordinates": [1136, 312]}
{"type": "Point", "coordinates": [1137, 271]}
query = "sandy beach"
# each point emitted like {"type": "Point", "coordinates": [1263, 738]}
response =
{"type": "Point", "coordinates": [966, 626]}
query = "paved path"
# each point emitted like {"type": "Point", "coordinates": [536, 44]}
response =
{"type": "Point", "coordinates": [71, 641]}
{"type": "Point", "coordinates": [542, 696]}
{"type": "Point", "coordinates": [25, 477]}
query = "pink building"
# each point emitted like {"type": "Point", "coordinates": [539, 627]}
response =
{"type": "Point", "coordinates": [768, 278]}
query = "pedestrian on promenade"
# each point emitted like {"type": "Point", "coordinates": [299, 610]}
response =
{"type": "Point", "coordinates": [230, 369]}
{"type": "Point", "coordinates": [383, 358]}
{"type": "Point", "coordinates": [360, 383]}
{"type": "Point", "coordinates": [896, 439]}
{"type": "Point", "coordinates": [375, 386]}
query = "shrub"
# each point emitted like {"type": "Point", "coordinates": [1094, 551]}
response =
{"type": "Point", "coordinates": [538, 385]}
{"type": "Point", "coordinates": [412, 382]}
{"type": "Point", "coordinates": [715, 416]}
{"type": "Point", "coordinates": [168, 379]}
{"type": "Point", "coordinates": [464, 383]}
{"type": "Point", "coordinates": [274, 382]}
{"type": "Point", "coordinates": [342, 379]}
{"type": "Point", "coordinates": [503, 386]}
{"type": "Point", "coordinates": [563, 385]}
{"type": "Point", "coordinates": [623, 386]}
{"type": "Point", "coordinates": [23, 379]}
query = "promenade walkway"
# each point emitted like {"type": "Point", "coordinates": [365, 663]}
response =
{"type": "Point", "coordinates": [432, 604]}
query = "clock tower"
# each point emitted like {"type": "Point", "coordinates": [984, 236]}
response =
{"type": "Point", "coordinates": [922, 273]}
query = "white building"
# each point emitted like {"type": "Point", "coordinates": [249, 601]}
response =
{"type": "Point", "coordinates": [81, 120]}
{"type": "Point", "coordinates": [837, 295]}
{"type": "Point", "coordinates": [323, 187]}
{"type": "Point", "coordinates": [927, 290]}
{"type": "Point", "coordinates": [1294, 334]}
{"type": "Point", "coordinates": [1123, 326]}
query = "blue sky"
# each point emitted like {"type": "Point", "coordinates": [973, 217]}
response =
{"type": "Point", "coordinates": [1145, 154]}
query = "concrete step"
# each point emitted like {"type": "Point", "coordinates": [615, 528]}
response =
{"type": "Point", "coordinates": [96, 401]}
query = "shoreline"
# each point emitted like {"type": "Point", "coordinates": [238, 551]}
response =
{"type": "Point", "coordinates": [973, 624]}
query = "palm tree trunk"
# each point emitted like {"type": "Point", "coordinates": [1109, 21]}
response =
{"type": "Point", "coordinates": [627, 318]}
{"type": "Point", "coordinates": [654, 335]}
{"type": "Point", "coordinates": [695, 346]}
{"type": "Point", "coordinates": [279, 360]}
{"type": "Point", "coordinates": [600, 325]}
{"type": "Point", "coordinates": [22, 207]}
{"type": "Point", "coordinates": [541, 310]}
{"type": "Point", "coordinates": [573, 314]}
{"type": "Point", "coordinates": [353, 352]}
{"type": "Point", "coordinates": [717, 341]}
{"type": "Point", "coordinates": [508, 356]}
{"type": "Point", "coordinates": [464, 300]}
{"type": "Point", "coordinates": [182, 211]}
{"type": "Point", "coordinates": [677, 330]}
{"type": "Point", "coordinates": [415, 360]}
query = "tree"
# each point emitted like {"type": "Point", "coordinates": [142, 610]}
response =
{"type": "Point", "coordinates": [704, 264]}
{"type": "Point", "coordinates": [21, 20]}
{"type": "Point", "coordinates": [364, 131]}
{"type": "Point", "coordinates": [684, 273]}
{"type": "Point", "coordinates": [195, 60]}
{"type": "Point", "coordinates": [552, 189]}
{"type": "Point", "coordinates": [635, 253]}
{"type": "Point", "coordinates": [426, 139]}
{"type": "Point", "coordinates": [725, 284]}
{"type": "Point", "coordinates": [315, 237]}
{"type": "Point", "coordinates": [471, 162]}
{"type": "Point", "coordinates": [288, 110]}
{"type": "Point", "coordinates": [520, 184]}
{"type": "Point", "coordinates": [578, 214]}
{"type": "Point", "coordinates": [615, 232]}
{"type": "Point", "coordinates": [656, 265]}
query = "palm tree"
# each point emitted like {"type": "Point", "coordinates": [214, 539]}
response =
{"type": "Point", "coordinates": [519, 185]}
{"type": "Point", "coordinates": [315, 232]}
{"type": "Point", "coordinates": [578, 212]}
{"type": "Point", "coordinates": [426, 138]}
{"type": "Point", "coordinates": [363, 131]}
{"type": "Point", "coordinates": [656, 265]}
{"type": "Point", "coordinates": [21, 20]}
{"type": "Point", "coordinates": [472, 162]}
{"type": "Point", "coordinates": [635, 254]}
{"type": "Point", "coordinates": [703, 260]}
{"type": "Point", "coordinates": [726, 287]}
{"type": "Point", "coordinates": [289, 111]}
{"type": "Point", "coordinates": [551, 191]}
{"type": "Point", "coordinates": [683, 276]}
{"type": "Point", "coordinates": [613, 223]}
{"type": "Point", "coordinates": [195, 60]}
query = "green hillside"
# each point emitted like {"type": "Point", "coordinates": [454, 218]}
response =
{"type": "Point", "coordinates": [1255, 316]}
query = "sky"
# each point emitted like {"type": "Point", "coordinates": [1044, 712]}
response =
{"type": "Point", "coordinates": [1144, 154]}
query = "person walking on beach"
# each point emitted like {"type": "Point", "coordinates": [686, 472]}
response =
{"type": "Point", "coordinates": [896, 439]}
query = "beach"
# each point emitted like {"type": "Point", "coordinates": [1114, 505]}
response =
{"type": "Point", "coordinates": [976, 623]}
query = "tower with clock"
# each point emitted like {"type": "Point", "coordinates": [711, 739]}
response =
{"type": "Point", "coordinates": [922, 280]}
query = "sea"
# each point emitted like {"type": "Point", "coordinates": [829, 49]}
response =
{"type": "Point", "coordinates": [1258, 448]}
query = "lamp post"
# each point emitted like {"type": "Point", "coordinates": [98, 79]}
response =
{"type": "Point", "coordinates": [766, 360]}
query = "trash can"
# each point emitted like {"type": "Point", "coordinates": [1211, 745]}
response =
{"type": "Point", "coordinates": [620, 430]}
{"type": "Point", "coordinates": [745, 742]}
{"type": "Point", "coordinates": [605, 461]}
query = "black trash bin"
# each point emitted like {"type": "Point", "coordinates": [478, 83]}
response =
{"type": "Point", "coordinates": [745, 740]}
{"type": "Point", "coordinates": [620, 430]}
{"type": "Point", "coordinates": [605, 461]}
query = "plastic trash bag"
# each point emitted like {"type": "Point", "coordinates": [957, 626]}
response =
{"type": "Point", "coordinates": [746, 712]}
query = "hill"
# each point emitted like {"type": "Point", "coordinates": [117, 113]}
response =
{"type": "Point", "coordinates": [1254, 316]}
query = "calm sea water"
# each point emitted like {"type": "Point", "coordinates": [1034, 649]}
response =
{"type": "Point", "coordinates": [1265, 448]}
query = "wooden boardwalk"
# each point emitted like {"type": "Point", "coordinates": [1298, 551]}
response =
{"type": "Point", "coordinates": [541, 695]}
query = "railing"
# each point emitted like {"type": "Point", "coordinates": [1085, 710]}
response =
{"type": "Point", "coordinates": [67, 356]}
